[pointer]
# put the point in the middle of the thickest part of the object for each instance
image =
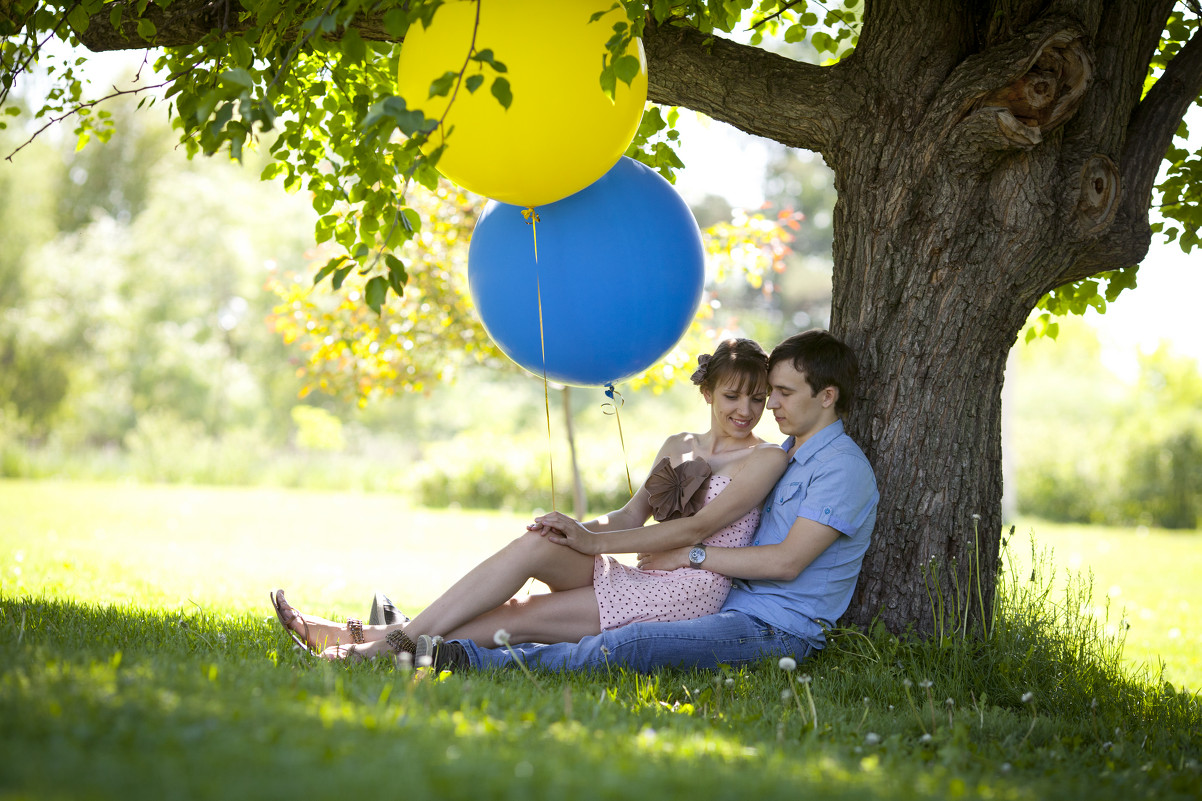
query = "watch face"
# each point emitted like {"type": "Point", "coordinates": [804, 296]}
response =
{"type": "Point", "coordinates": [697, 555]}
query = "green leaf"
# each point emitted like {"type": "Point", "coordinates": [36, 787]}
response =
{"type": "Point", "coordinates": [599, 14]}
{"type": "Point", "coordinates": [354, 49]}
{"type": "Point", "coordinates": [441, 86]}
{"type": "Point", "coordinates": [609, 81]}
{"type": "Point", "coordinates": [627, 69]}
{"type": "Point", "coordinates": [238, 77]}
{"type": "Point", "coordinates": [78, 18]}
{"type": "Point", "coordinates": [241, 53]}
{"type": "Point", "coordinates": [147, 30]}
{"type": "Point", "coordinates": [396, 23]}
{"type": "Point", "coordinates": [500, 90]}
{"type": "Point", "coordinates": [397, 277]}
{"type": "Point", "coordinates": [376, 293]}
{"type": "Point", "coordinates": [329, 267]}
{"type": "Point", "coordinates": [473, 82]}
{"type": "Point", "coordinates": [340, 274]}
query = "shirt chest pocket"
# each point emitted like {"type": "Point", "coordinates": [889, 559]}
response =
{"type": "Point", "coordinates": [793, 492]}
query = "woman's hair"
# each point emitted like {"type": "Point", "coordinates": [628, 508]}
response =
{"type": "Point", "coordinates": [741, 362]}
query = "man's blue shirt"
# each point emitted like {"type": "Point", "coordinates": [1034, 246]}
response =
{"type": "Point", "coordinates": [828, 480]}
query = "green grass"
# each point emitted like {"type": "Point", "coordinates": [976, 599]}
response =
{"type": "Point", "coordinates": [1145, 587]}
{"type": "Point", "coordinates": [140, 662]}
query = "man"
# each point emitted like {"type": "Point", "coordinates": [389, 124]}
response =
{"type": "Point", "coordinates": [796, 577]}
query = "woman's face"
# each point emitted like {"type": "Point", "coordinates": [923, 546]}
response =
{"type": "Point", "coordinates": [736, 410]}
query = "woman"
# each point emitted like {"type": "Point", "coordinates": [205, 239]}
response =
{"type": "Point", "coordinates": [711, 483]}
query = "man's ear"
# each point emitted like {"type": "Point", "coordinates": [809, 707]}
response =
{"type": "Point", "coordinates": [830, 396]}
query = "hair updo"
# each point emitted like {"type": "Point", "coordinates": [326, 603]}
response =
{"type": "Point", "coordinates": [740, 362]}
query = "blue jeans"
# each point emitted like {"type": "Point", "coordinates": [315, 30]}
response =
{"type": "Point", "coordinates": [727, 638]}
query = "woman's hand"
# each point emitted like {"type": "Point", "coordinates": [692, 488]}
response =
{"type": "Point", "coordinates": [665, 560]}
{"type": "Point", "coordinates": [563, 530]}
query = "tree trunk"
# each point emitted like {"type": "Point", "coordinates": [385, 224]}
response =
{"type": "Point", "coordinates": [579, 500]}
{"type": "Point", "coordinates": [977, 186]}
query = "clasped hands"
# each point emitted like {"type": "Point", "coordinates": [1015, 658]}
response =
{"type": "Point", "coordinates": [561, 529]}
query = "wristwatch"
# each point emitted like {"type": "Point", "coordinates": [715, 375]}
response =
{"type": "Point", "coordinates": [696, 555]}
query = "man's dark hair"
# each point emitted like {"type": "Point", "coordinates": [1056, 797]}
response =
{"type": "Point", "coordinates": [824, 359]}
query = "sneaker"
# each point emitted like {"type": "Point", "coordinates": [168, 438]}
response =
{"type": "Point", "coordinates": [442, 655]}
{"type": "Point", "coordinates": [384, 612]}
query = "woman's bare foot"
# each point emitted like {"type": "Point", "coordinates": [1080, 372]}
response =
{"type": "Point", "coordinates": [321, 634]}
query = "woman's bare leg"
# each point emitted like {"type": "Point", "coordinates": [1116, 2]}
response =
{"type": "Point", "coordinates": [565, 616]}
{"type": "Point", "coordinates": [495, 580]}
{"type": "Point", "coordinates": [483, 589]}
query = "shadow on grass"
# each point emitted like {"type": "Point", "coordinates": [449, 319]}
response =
{"type": "Point", "coordinates": [113, 702]}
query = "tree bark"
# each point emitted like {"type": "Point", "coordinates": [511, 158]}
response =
{"type": "Point", "coordinates": [985, 152]}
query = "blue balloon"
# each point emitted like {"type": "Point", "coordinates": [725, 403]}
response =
{"type": "Point", "coordinates": [620, 268]}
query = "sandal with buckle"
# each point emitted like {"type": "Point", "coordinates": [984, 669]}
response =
{"type": "Point", "coordinates": [277, 601]}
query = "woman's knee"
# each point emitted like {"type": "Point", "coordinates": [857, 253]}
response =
{"type": "Point", "coordinates": [536, 549]}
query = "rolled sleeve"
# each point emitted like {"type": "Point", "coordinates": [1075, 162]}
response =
{"type": "Point", "coordinates": [841, 494]}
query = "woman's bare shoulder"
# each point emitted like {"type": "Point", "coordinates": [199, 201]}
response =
{"type": "Point", "coordinates": [682, 447]}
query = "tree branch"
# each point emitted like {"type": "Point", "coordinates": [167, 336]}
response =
{"type": "Point", "coordinates": [756, 91]}
{"type": "Point", "coordinates": [1155, 122]}
{"type": "Point", "coordinates": [1149, 135]}
{"type": "Point", "coordinates": [687, 68]}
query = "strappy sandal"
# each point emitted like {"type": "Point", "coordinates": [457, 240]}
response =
{"type": "Point", "coordinates": [277, 598]}
{"type": "Point", "coordinates": [354, 626]}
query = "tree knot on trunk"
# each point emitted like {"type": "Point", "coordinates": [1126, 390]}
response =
{"type": "Point", "coordinates": [1098, 196]}
{"type": "Point", "coordinates": [1047, 93]}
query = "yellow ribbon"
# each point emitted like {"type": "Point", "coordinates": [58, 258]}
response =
{"type": "Point", "coordinates": [532, 219]}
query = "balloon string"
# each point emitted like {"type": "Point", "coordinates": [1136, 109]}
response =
{"type": "Point", "coordinates": [617, 399]}
{"type": "Point", "coordinates": [532, 219]}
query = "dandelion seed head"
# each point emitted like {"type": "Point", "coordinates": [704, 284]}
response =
{"type": "Point", "coordinates": [1005, 767]}
{"type": "Point", "coordinates": [872, 738]}
{"type": "Point", "coordinates": [805, 678]}
{"type": "Point", "coordinates": [950, 703]}
{"type": "Point", "coordinates": [787, 664]}
{"type": "Point", "coordinates": [501, 637]}
{"type": "Point", "coordinates": [976, 517]}
{"type": "Point", "coordinates": [907, 683]}
{"type": "Point", "coordinates": [730, 682]}
{"type": "Point", "coordinates": [785, 695]}
{"type": "Point", "coordinates": [424, 661]}
{"type": "Point", "coordinates": [926, 684]}
{"type": "Point", "coordinates": [925, 738]}
{"type": "Point", "coordinates": [1028, 697]}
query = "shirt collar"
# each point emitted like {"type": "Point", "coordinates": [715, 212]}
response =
{"type": "Point", "coordinates": [814, 443]}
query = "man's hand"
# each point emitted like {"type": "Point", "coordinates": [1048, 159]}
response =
{"type": "Point", "coordinates": [563, 530]}
{"type": "Point", "coordinates": [665, 560]}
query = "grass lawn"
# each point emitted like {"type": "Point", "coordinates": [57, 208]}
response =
{"type": "Point", "coordinates": [142, 661]}
{"type": "Point", "coordinates": [1145, 579]}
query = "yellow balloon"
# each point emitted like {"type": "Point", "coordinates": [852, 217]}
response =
{"type": "Point", "coordinates": [560, 133]}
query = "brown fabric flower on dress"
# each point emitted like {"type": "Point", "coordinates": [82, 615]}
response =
{"type": "Point", "coordinates": [677, 491]}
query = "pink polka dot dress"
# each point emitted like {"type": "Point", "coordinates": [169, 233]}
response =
{"type": "Point", "coordinates": [629, 595]}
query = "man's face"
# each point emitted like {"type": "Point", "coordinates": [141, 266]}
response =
{"type": "Point", "coordinates": [799, 411]}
